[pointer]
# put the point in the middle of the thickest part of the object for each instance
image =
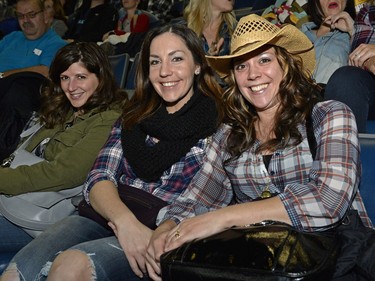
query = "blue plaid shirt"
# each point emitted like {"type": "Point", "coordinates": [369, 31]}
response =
{"type": "Point", "coordinates": [112, 165]}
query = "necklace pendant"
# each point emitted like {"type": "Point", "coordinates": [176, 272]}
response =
{"type": "Point", "coordinates": [266, 194]}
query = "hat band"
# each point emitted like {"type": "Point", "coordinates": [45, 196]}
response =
{"type": "Point", "coordinates": [238, 50]}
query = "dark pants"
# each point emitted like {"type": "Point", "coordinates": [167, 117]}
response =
{"type": "Point", "coordinates": [19, 97]}
{"type": "Point", "coordinates": [356, 88]}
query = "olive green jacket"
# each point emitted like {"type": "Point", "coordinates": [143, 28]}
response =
{"type": "Point", "coordinates": [69, 155]}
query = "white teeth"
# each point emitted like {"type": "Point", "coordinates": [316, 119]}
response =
{"type": "Point", "coordinates": [76, 96]}
{"type": "Point", "coordinates": [169, 84]}
{"type": "Point", "coordinates": [259, 87]}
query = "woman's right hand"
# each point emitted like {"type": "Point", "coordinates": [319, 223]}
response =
{"type": "Point", "coordinates": [341, 21]}
{"type": "Point", "coordinates": [361, 55]}
{"type": "Point", "coordinates": [215, 47]}
{"type": "Point", "coordinates": [134, 238]}
{"type": "Point", "coordinates": [106, 35]}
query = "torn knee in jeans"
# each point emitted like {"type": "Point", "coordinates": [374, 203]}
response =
{"type": "Point", "coordinates": [11, 273]}
{"type": "Point", "coordinates": [74, 264]}
{"type": "Point", "coordinates": [45, 269]}
{"type": "Point", "coordinates": [92, 267]}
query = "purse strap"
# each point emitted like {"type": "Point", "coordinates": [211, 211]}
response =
{"type": "Point", "coordinates": [29, 133]}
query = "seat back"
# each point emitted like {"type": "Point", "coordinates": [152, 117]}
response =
{"type": "Point", "coordinates": [243, 4]}
{"type": "Point", "coordinates": [371, 126]}
{"type": "Point", "coordinates": [120, 66]}
{"type": "Point", "coordinates": [130, 79]}
{"type": "Point", "coordinates": [260, 5]}
{"type": "Point", "coordinates": [367, 185]}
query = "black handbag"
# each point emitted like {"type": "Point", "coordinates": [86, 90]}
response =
{"type": "Point", "coordinates": [144, 206]}
{"type": "Point", "coordinates": [266, 251]}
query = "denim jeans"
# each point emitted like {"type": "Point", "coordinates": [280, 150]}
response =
{"type": "Point", "coordinates": [356, 88]}
{"type": "Point", "coordinates": [74, 232]}
{"type": "Point", "coordinates": [13, 238]}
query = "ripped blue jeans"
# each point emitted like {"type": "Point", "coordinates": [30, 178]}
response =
{"type": "Point", "coordinates": [74, 232]}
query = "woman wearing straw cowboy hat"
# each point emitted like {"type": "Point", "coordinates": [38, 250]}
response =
{"type": "Point", "coordinates": [260, 158]}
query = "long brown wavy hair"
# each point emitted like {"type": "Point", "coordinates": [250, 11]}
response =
{"type": "Point", "coordinates": [298, 94]}
{"type": "Point", "coordinates": [55, 106]}
{"type": "Point", "coordinates": [146, 100]}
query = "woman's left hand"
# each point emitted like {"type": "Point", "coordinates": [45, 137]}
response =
{"type": "Point", "coordinates": [189, 229]}
{"type": "Point", "coordinates": [361, 54]}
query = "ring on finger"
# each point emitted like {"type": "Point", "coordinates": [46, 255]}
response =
{"type": "Point", "coordinates": [177, 234]}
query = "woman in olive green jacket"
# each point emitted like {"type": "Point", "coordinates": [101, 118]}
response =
{"type": "Point", "coordinates": [79, 106]}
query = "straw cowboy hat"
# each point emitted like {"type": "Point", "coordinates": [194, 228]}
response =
{"type": "Point", "coordinates": [253, 31]}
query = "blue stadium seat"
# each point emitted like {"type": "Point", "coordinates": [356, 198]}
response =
{"type": "Point", "coordinates": [4, 260]}
{"type": "Point", "coordinates": [371, 126]}
{"type": "Point", "coordinates": [120, 66]}
{"type": "Point", "coordinates": [262, 4]}
{"type": "Point", "coordinates": [367, 186]}
{"type": "Point", "coordinates": [241, 4]}
{"type": "Point", "coordinates": [130, 79]}
{"type": "Point", "coordinates": [247, 7]}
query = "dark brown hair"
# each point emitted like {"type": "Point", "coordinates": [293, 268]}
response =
{"type": "Point", "coordinates": [146, 100]}
{"type": "Point", "coordinates": [55, 106]}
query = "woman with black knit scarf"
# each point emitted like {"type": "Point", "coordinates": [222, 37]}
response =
{"type": "Point", "coordinates": [158, 146]}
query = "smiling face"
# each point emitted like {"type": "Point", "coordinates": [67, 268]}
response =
{"type": "Point", "coordinates": [78, 84]}
{"type": "Point", "coordinates": [332, 7]}
{"type": "Point", "coordinates": [258, 76]}
{"type": "Point", "coordinates": [172, 70]}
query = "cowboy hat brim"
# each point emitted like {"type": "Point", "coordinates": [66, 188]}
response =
{"type": "Point", "coordinates": [288, 37]}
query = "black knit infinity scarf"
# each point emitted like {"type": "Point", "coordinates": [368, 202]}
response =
{"type": "Point", "coordinates": [177, 134]}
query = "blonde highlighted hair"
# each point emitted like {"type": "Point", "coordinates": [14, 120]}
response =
{"type": "Point", "coordinates": [197, 15]}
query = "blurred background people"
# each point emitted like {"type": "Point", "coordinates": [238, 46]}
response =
{"type": "Point", "coordinates": [56, 14]}
{"type": "Point", "coordinates": [330, 30]}
{"type": "Point", "coordinates": [91, 21]}
{"type": "Point", "coordinates": [25, 57]}
{"type": "Point", "coordinates": [214, 21]}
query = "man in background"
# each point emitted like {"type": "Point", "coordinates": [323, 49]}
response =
{"type": "Point", "coordinates": [25, 57]}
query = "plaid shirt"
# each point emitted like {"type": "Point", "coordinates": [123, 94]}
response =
{"type": "Point", "coordinates": [364, 27]}
{"type": "Point", "coordinates": [314, 193]}
{"type": "Point", "coordinates": [111, 165]}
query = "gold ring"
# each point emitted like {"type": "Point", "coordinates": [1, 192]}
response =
{"type": "Point", "coordinates": [177, 234]}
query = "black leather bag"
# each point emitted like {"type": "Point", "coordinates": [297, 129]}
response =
{"type": "Point", "coordinates": [266, 251]}
{"type": "Point", "coordinates": [356, 261]}
{"type": "Point", "coordinates": [144, 206]}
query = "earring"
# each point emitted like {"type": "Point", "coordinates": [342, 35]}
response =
{"type": "Point", "coordinates": [197, 71]}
